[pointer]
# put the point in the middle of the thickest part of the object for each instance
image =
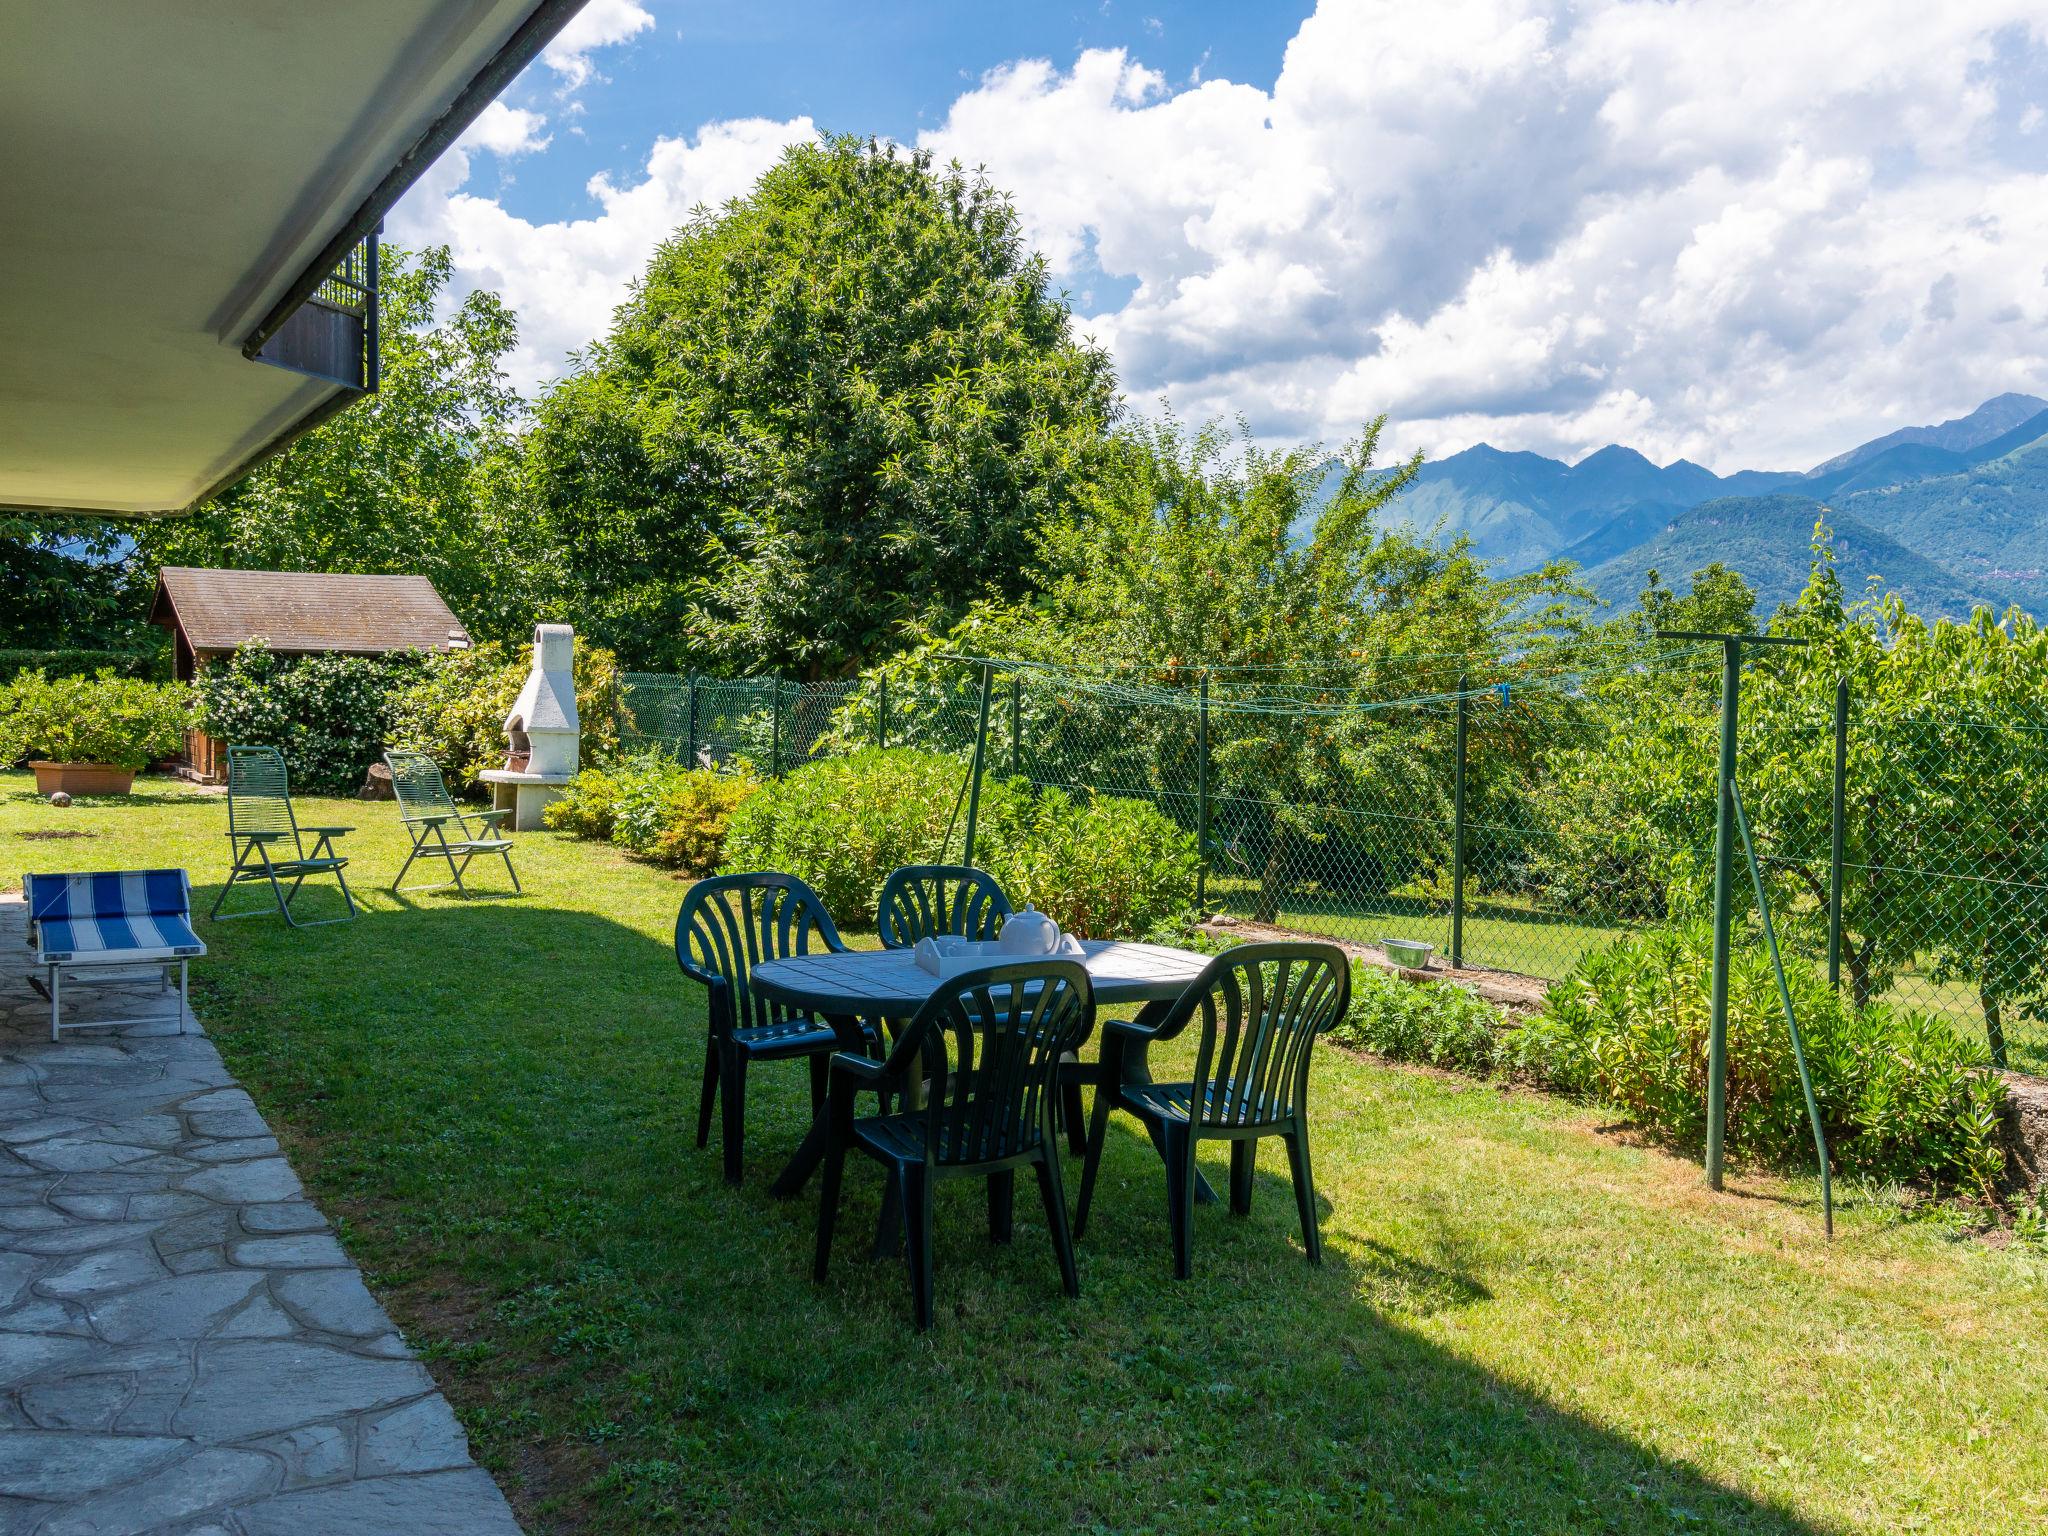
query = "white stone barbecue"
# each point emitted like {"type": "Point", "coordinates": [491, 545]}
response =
{"type": "Point", "coordinates": [542, 730]}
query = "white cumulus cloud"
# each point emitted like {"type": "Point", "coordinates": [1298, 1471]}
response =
{"type": "Point", "coordinates": [1743, 231]}
{"type": "Point", "coordinates": [600, 24]}
{"type": "Point", "coordinates": [1730, 229]}
{"type": "Point", "coordinates": [564, 278]}
{"type": "Point", "coordinates": [507, 130]}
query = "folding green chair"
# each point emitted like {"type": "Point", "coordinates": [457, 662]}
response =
{"type": "Point", "coordinates": [427, 810]}
{"type": "Point", "coordinates": [267, 841]}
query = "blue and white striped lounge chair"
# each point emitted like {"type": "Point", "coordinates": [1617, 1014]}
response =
{"type": "Point", "coordinates": [101, 927]}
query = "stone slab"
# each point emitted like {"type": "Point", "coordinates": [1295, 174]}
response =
{"type": "Point", "coordinates": [185, 1347]}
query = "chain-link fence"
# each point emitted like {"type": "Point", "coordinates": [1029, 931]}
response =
{"type": "Point", "coordinates": [1514, 823]}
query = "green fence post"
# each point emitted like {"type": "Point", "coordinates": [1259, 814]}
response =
{"type": "Point", "coordinates": [1839, 832]}
{"type": "Point", "coordinates": [1724, 914]}
{"type": "Point", "coordinates": [1724, 877]}
{"type": "Point", "coordinates": [1202, 796]}
{"type": "Point", "coordinates": [692, 741]}
{"type": "Point", "coordinates": [882, 710]}
{"type": "Point", "coordinates": [1763, 907]}
{"type": "Point", "coordinates": [988, 680]}
{"type": "Point", "coordinates": [775, 741]}
{"type": "Point", "coordinates": [1458, 834]}
{"type": "Point", "coordinates": [1017, 726]}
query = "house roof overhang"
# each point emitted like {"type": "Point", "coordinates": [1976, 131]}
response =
{"type": "Point", "coordinates": [180, 179]}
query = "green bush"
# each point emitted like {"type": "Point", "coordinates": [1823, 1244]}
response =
{"type": "Point", "coordinates": [675, 815]}
{"type": "Point", "coordinates": [153, 666]}
{"type": "Point", "coordinates": [1100, 866]}
{"type": "Point", "coordinates": [654, 806]}
{"type": "Point", "coordinates": [842, 823]}
{"type": "Point", "coordinates": [105, 719]}
{"type": "Point", "coordinates": [329, 715]}
{"type": "Point", "coordinates": [1901, 1096]}
{"type": "Point", "coordinates": [455, 709]}
{"type": "Point", "coordinates": [587, 807]}
{"type": "Point", "coordinates": [1437, 1022]}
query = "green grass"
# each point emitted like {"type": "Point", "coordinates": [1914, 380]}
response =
{"type": "Point", "coordinates": [1525, 1323]}
{"type": "Point", "coordinates": [1500, 934]}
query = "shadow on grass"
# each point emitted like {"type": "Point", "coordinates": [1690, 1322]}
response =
{"type": "Point", "coordinates": [499, 1100]}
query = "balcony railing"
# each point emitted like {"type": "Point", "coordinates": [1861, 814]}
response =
{"type": "Point", "coordinates": [333, 334]}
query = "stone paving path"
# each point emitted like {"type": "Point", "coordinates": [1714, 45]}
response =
{"type": "Point", "coordinates": [184, 1347]}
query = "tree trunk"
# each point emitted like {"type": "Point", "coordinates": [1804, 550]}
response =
{"type": "Point", "coordinates": [1858, 958]}
{"type": "Point", "coordinates": [1273, 878]}
{"type": "Point", "coordinates": [1994, 1028]}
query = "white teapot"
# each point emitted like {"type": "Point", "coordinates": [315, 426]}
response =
{"type": "Point", "coordinates": [1029, 932]}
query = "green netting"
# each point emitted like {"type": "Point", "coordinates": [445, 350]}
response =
{"type": "Point", "coordinates": [1329, 803]}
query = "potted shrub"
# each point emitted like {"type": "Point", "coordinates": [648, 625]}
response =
{"type": "Point", "coordinates": [89, 735]}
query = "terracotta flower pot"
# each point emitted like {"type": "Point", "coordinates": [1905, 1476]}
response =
{"type": "Point", "coordinates": [82, 778]}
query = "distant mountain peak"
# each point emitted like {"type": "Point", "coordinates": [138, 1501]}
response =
{"type": "Point", "coordinates": [1963, 509]}
{"type": "Point", "coordinates": [1994, 418]}
{"type": "Point", "coordinates": [1614, 454]}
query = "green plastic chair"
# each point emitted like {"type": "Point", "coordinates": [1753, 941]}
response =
{"type": "Point", "coordinates": [925, 900]}
{"type": "Point", "coordinates": [1259, 1008]}
{"type": "Point", "coordinates": [267, 842]}
{"type": "Point", "coordinates": [990, 1042]}
{"type": "Point", "coordinates": [427, 810]}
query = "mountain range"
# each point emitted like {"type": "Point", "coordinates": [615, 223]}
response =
{"type": "Point", "coordinates": [1949, 516]}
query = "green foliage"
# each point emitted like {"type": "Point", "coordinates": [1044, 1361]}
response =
{"type": "Point", "coordinates": [653, 806]}
{"type": "Point", "coordinates": [65, 582]}
{"type": "Point", "coordinates": [120, 721]}
{"type": "Point", "coordinates": [588, 806]}
{"type": "Point", "coordinates": [1437, 1022]}
{"type": "Point", "coordinates": [845, 402]}
{"type": "Point", "coordinates": [678, 816]}
{"type": "Point", "coordinates": [843, 823]}
{"type": "Point", "coordinates": [417, 478]}
{"type": "Point", "coordinates": [1196, 547]}
{"type": "Point", "coordinates": [149, 665]}
{"type": "Point", "coordinates": [329, 715]}
{"type": "Point", "coordinates": [1719, 602]}
{"type": "Point", "coordinates": [1946, 835]}
{"type": "Point", "coordinates": [1100, 865]}
{"type": "Point", "coordinates": [1900, 1096]}
{"type": "Point", "coordinates": [454, 709]}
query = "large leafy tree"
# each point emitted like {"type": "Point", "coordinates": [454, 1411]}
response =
{"type": "Point", "coordinates": [70, 583]}
{"type": "Point", "coordinates": [1271, 575]}
{"type": "Point", "coordinates": [844, 403]}
{"type": "Point", "coordinates": [412, 479]}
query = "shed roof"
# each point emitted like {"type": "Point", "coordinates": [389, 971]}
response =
{"type": "Point", "coordinates": [304, 611]}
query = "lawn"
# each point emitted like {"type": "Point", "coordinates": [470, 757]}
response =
{"type": "Point", "coordinates": [1500, 935]}
{"type": "Point", "coordinates": [1525, 1323]}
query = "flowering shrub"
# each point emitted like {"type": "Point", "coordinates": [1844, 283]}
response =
{"type": "Point", "coordinates": [105, 719]}
{"type": "Point", "coordinates": [329, 715]}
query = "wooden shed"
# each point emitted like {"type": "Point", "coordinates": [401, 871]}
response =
{"type": "Point", "coordinates": [209, 613]}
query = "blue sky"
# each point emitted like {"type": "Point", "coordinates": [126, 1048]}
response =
{"type": "Point", "coordinates": [892, 72]}
{"type": "Point", "coordinates": [1745, 232]}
